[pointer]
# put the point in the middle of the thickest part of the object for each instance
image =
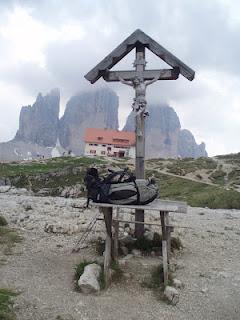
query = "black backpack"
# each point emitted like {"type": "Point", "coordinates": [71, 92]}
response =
{"type": "Point", "coordinates": [119, 187]}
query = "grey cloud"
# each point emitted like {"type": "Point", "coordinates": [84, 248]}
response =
{"type": "Point", "coordinates": [198, 34]}
{"type": "Point", "coordinates": [30, 77]}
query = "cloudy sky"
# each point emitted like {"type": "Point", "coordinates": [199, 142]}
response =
{"type": "Point", "coordinates": [49, 43]}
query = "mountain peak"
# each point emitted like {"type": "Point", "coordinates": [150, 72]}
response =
{"type": "Point", "coordinates": [39, 123]}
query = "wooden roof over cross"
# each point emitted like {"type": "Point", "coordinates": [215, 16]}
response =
{"type": "Point", "coordinates": [137, 38]}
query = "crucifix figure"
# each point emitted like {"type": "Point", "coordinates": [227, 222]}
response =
{"type": "Point", "coordinates": [139, 102]}
{"type": "Point", "coordinates": [138, 83]}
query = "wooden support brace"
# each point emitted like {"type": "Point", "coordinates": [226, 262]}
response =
{"type": "Point", "coordinates": [168, 235]}
{"type": "Point", "coordinates": [116, 235]}
{"type": "Point", "coordinates": [165, 262]}
{"type": "Point", "coordinates": [171, 227]}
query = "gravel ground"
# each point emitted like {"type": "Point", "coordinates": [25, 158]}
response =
{"type": "Point", "coordinates": [42, 265]}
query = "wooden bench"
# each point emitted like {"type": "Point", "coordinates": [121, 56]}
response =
{"type": "Point", "coordinates": [162, 206]}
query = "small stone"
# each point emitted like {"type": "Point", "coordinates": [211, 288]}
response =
{"type": "Point", "coordinates": [136, 253]}
{"type": "Point", "coordinates": [124, 250]}
{"type": "Point", "coordinates": [172, 295]}
{"type": "Point", "coordinates": [122, 262]}
{"type": "Point", "coordinates": [127, 240]}
{"type": "Point", "coordinates": [178, 284]}
{"type": "Point", "coordinates": [100, 260]}
{"type": "Point", "coordinates": [180, 265]}
{"type": "Point", "coordinates": [21, 217]}
{"type": "Point", "coordinates": [228, 228]}
{"type": "Point", "coordinates": [149, 235]}
{"type": "Point", "coordinates": [152, 253]}
{"type": "Point", "coordinates": [27, 206]}
{"type": "Point", "coordinates": [127, 275]}
{"type": "Point", "coordinates": [127, 229]}
{"type": "Point", "coordinates": [128, 256]}
{"type": "Point", "coordinates": [4, 189]}
{"type": "Point", "coordinates": [204, 290]}
{"type": "Point", "coordinates": [223, 274]}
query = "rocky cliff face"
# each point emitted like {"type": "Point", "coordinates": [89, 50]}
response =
{"type": "Point", "coordinates": [93, 109]}
{"type": "Point", "coordinates": [38, 123]}
{"type": "Point", "coordinates": [164, 137]}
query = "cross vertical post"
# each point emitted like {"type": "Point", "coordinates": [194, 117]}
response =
{"type": "Point", "coordinates": [139, 64]}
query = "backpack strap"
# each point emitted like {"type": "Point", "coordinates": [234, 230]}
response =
{"type": "Point", "coordinates": [138, 193]}
{"type": "Point", "coordinates": [121, 173]}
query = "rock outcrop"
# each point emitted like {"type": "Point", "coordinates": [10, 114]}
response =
{"type": "Point", "coordinates": [92, 109]}
{"type": "Point", "coordinates": [39, 123]}
{"type": "Point", "coordinates": [164, 137]}
{"type": "Point", "coordinates": [187, 146]}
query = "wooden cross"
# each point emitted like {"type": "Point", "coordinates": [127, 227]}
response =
{"type": "Point", "coordinates": [139, 79]}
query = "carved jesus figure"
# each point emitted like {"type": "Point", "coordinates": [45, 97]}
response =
{"type": "Point", "coordinates": [139, 104]}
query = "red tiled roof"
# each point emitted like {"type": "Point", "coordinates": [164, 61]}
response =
{"type": "Point", "coordinates": [109, 136]}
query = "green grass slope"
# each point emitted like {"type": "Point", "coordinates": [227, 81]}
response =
{"type": "Point", "coordinates": [203, 182]}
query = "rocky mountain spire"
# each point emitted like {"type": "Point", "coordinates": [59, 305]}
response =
{"type": "Point", "coordinates": [39, 123]}
{"type": "Point", "coordinates": [91, 109]}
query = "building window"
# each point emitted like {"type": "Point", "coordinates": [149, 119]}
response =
{"type": "Point", "coordinates": [103, 145]}
{"type": "Point", "coordinates": [109, 148]}
{"type": "Point", "coordinates": [95, 144]}
{"type": "Point", "coordinates": [100, 138]}
{"type": "Point", "coordinates": [103, 152]}
{"type": "Point", "coordinates": [121, 147]}
{"type": "Point", "coordinates": [93, 151]}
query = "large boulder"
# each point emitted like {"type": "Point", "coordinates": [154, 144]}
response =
{"type": "Point", "coordinates": [88, 282]}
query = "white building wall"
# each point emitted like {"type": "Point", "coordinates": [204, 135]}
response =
{"type": "Point", "coordinates": [92, 149]}
{"type": "Point", "coordinates": [132, 152]}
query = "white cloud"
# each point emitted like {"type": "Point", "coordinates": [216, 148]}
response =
{"type": "Point", "coordinates": [10, 107]}
{"type": "Point", "coordinates": [26, 36]}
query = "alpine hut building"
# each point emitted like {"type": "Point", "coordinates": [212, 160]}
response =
{"type": "Point", "coordinates": [109, 143]}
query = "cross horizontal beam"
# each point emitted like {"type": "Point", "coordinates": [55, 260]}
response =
{"type": "Point", "coordinates": [164, 74]}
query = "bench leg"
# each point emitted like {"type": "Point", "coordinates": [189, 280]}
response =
{"type": "Point", "coordinates": [107, 212]}
{"type": "Point", "coordinates": [115, 240]}
{"type": "Point", "coordinates": [164, 247]}
{"type": "Point", "coordinates": [168, 235]}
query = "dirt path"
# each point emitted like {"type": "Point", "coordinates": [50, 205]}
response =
{"type": "Point", "coordinates": [42, 267]}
